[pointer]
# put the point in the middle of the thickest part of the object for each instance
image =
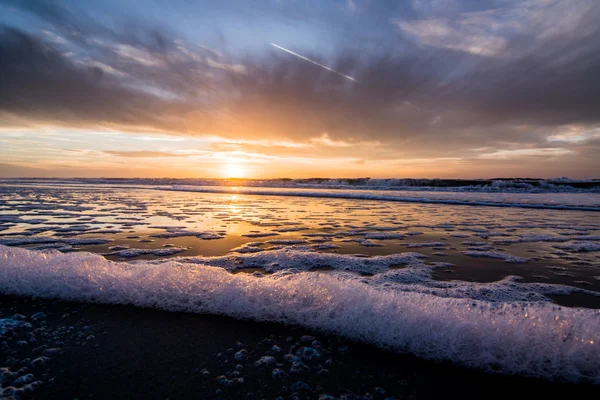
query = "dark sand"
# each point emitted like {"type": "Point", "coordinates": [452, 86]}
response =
{"type": "Point", "coordinates": [125, 352]}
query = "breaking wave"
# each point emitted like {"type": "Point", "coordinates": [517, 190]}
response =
{"type": "Point", "coordinates": [486, 326]}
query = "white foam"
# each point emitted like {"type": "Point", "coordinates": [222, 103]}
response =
{"type": "Point", "coordinates": [287, 241]}
{"type": "Point", "coordinates": [496, 254]}
{"type": "Point", "coordinates": [19, 241]}
{"type": "Point", "coordinates": [382, 228]}
{"type": "Point", "coordinates": [260, 234]}
{"type": "Point", "coordinates": [129, 253]}
{"type": "Point", "coordinates": [56, 246]}
{"type": "Point", "coordinates": [305, 259]}
{"type": "Point", "coordinates": [252, 247]}
{"type": "Point", "coordinates": [473, 243]}
{"type": "Point", "coordinates": [580, 247]}
{"type": "Point", "coordinates": [291, 229]}
{"type": "Point", "coordinates": [588, 237]}
{"type": "Point", "coordinates": [368, 243]}
{"type": "Point", "coordinates": [535, 339]}
{"type": "Point", "coordinates": [427, 244]}
{"type": "Point", "coordinates": [384, 236]}
{"type": "Point", "coordinates": [173, 232]}
{"type": "Point", "coordinates": [485, 247]}
{"type": "Point", "coordinates": [534, 238]}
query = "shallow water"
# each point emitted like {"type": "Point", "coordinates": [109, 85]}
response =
{"type": "Point", "coordinates": [542, 242]}
{"type": "Point", "coordinates": [435, 262]}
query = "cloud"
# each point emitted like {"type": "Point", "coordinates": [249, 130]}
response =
{"type": "Point", "coordinates": [142, 154]}
{"type": "Point", "coordinates": [433, 82]}
{"type": "Point", "coordinates": [325, 140]}
{"type": "Point", "coordinates": [470, 34]}
{"type": "Point", "coordinates": [40, 84]}
{"type": "Point", "coordinates": [575, 134]}
{"type": "Point", "coordinates": [141, 56]}
{"type": "Point", "coordinates": [516, 153]}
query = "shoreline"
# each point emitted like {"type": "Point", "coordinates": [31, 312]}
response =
{"type": "Point", "coordinates": [110, 351]}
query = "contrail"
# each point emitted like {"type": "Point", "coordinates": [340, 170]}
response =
{"type": "Point", "coordinates": [314, 62]}
{"type": "Point", "coordinates": [412, 105]}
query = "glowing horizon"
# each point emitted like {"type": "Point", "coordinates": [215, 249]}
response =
{"type": "Point", "coordinates": [122, 154]}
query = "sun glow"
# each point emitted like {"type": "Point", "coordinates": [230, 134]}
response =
{"type": "Point", "coordinates": [233, 171]}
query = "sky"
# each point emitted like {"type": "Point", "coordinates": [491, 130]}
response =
{"type": "Point", "coordinates": [284, 88]}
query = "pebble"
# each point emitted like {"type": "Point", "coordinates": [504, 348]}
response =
{"type": "Point", "coordinates": [298, 366]}
{"type": "Point", "coordinates": [380, 391]}
{"type": "Point", "coordinates": [23, 380]}
{"type": "Point", "coordinates": [278, 373]}
{"type": "Point", "coordinates": [223, 381]}
{"type": "Point", "coordinates": [300, 386]}
{"type": "Point", "coordinates": [241, 355]}
{"type": "Point", "coordinates": [264, 361]}
{"type": "Point", "coordinates": [308, 353]}
{"type": "Point", "coordinates": [38, 315]}
{"type": "Point", "coordinates": [306, 339]}
{"type": "Point", "coordinates": [52, 352]}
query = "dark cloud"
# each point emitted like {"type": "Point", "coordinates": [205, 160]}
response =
{"type": "Point", "coordinates": [40, 83]}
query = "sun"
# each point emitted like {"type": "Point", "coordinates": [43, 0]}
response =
{"type": "Point", "coordinates": [233, 171]}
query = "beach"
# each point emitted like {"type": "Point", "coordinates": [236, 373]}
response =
{"type": "Point", "coordinates": [124, 291]}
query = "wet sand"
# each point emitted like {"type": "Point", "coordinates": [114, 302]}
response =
{"type": "Point", "coordinates": [109, 352]}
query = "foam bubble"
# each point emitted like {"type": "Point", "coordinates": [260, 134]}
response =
{"type": "Point", "coordinates": [580, 247]}
{"type": "Point", "coordinates": [496, 254]}
{"type": "Point", "coordinates": [174, 232]}
{"type": "Point", "coordinates": [130, 253]}
{"type": "Point", "coordinates": [384, 236]}
{"type": "Point", "coordinates": [19, 241]}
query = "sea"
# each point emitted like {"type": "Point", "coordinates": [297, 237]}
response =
{"type": "Point", "coordinates": [499, 276]}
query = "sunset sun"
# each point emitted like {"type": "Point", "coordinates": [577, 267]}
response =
{"type": "Point", "coordinates": [234, 171]}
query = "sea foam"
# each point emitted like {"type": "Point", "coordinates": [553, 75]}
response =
{"type": "Point", "coordinates": [527, 338]}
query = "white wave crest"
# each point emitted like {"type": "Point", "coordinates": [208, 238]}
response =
{"type": "Point", "coordinates": [535, 339]}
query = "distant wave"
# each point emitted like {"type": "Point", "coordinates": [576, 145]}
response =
{"type": "Point", "coordinates": [569, 200]}
{"type": "Point", "coordinates": [527, 338]}
{"type": "Point", "coordinates": [556, 201]}
{"type": "Point", "coordinates": [558, 185]}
